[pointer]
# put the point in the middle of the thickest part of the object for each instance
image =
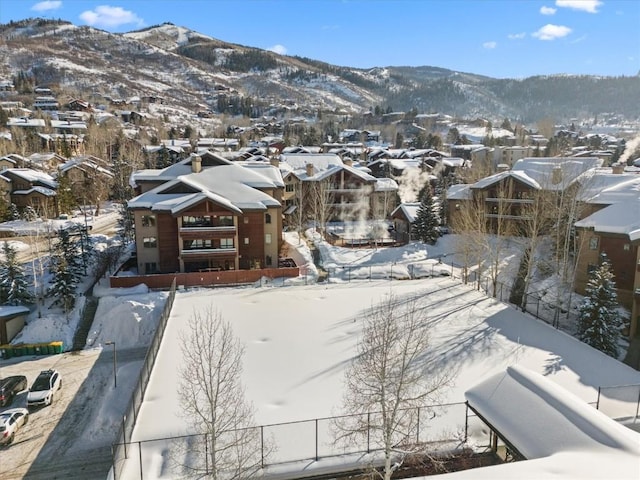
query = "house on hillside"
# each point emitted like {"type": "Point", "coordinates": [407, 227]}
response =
{"type": "Point", "coordinates": [33, 188]}
{"type": "Point", "coordinates": [47, 162]}
{"type": "Point", "coordinates": [202, 216]}
{"type": "Point", "coordinates": [87, 178]}
{"type": "Point", "coordinates": [403, 217]}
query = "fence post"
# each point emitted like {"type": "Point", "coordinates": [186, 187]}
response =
{"type": "Point", "coordinates": [466, 422]}
{"type": "Point", "coordinates": [124, 435]}
{"type": "Point", "coordinates": [262, 446]}
{"type": "Point", "coordinates": [538, 309]}
{"type": "Point", "coordinates": [206, 453]}
{"type": "Point", "coordinates": [368, 431]}
{"type": "Point", "coordinates": [418, 427]}
{"type": "Point", "coordinates": [598, 400]}
{"type": "Point", "coordinates": [140, 459]}
{"type": "Point", "coordinates": [638, 404]}
{"type": "Point", "coordinates": [316, 439]}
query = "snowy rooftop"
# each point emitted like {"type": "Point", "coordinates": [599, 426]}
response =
{"type": "Point", "coordinates": [622, 218]}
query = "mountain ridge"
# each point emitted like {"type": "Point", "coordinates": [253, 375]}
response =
{"type": "Point", "coordinates": [189, 67]}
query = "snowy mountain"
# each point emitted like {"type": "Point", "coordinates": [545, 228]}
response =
{"type": "Point", "coordinates": [195, 71]}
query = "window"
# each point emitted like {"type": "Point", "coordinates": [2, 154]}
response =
{"type": "Point", "coordinates": [226, 243]}
{"type": "Point", "coordinates": [197, 244]}
{"type": "Point", "coordinates": [196, 221]}
{"type": "Point", "coordinates": [246, 219]}
{"type": "Point", "coordinates": [626, 247]}
{"type": "Point", "coordinates": [593, 243]}
{"type": "Point", "coordinates": [150, 267]}
{"type": "Point", "coordinates": [225, 221]}
{"type": "Point", "coordinates": [150, 242]}
{"type": "Point", "coordinates": [148, 221]}
{"type": "Point", "coordinates": [289, 187]}
{"type": "Point", "coordinates": [267, 238]}
{"type": "Point", "coordinates": [267, 218]}
{"type": "Point", "coordinates": [246, 240]}
{"type": "Point", "coordinates": [269, 260]}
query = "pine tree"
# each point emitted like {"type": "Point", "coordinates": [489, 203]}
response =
{"type": "Point", "coordinates": [63, 287]}
{"type": "Point", "coordinates": [14, 287]}
{"type": "Point", "coordinates": [599, 323]}
{"type": "Point", "coordinates": [425, 226]}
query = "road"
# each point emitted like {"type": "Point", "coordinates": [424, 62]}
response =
{"type": "Point", "coordinates": [54, 443]}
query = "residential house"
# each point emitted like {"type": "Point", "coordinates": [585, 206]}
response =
{"type": "Point", "coordinates": [46, 103]}
{"type": "Point", "coordinates": [26, 122]}
{"type": "Point", "coordinates": [349, 191]}
{"type": "Point", "coordinates": [506, 194]}
{"type": "Point", "coordinates": [87, 177]}
{"type": "Point", "coordinates": [611, 225]}
{"type": "Point", "coordinates": [403, 217]}
{"type": "Point", "coordinates": [33, 188]}
{"type": "Point", "coordinates": [47, 162]}
{"type": "Point", "coordinates": [201, 218]}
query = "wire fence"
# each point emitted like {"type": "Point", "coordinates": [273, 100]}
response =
{"type": "Point", "coordinates": [119, 450]}
{"type": "Point", "coordinates": [425, 428]}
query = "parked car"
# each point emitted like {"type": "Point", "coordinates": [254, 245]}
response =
{"type": "Point", "coordinates": [10, 421]}
{"type": "Point", "coordinates": [10, 387]}
{"type": "Point", "coordinates": [45, 385]}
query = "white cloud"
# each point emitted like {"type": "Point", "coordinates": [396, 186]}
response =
{"type": "Point", "coordinates": [551, 32]}
{"type": "Point", "coordinates": [490, 45]}
{"type": "Point", "coordinates": [110, 17]}
{"type": "Point", "coordinates": [544, 10]}
{"type": "Point", "coordinates": [47, 5]}
{"type": "Point", "coordinates": [590, 6]}
{"type": "Point", "coordinates": [279, 49]}
{"type": "Point", "coordinates": [516, 36]}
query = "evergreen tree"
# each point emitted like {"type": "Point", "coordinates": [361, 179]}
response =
{"type": "Point", "coordinates": [14, 288]}
{"type": "Point", "coordinates": [425, 226]}
{"type": "Point", "coordinates": [64, 284]}
{"type": "Point", "coordinates": [599, 323]}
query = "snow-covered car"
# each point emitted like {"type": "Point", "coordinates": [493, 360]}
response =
{"type": "Point", "coordinates": [45, 385]}
{"type": "Point", "coordinates": [10, 387]}
{"type": "Point", "coordinates": [10, 421]}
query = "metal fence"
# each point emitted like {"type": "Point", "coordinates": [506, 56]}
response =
{"type": "Point", "coordinates": [620, 402]}
{"type": "Point", "coordinates": [308, 440]}
{"type": "Point", "coordinates": [120, 450]}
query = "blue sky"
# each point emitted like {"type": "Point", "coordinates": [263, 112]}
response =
{"type": "Point", "coordinates": [498, 38]}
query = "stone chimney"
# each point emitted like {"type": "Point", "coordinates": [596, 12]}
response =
{"type": "Point", "coordinates": [196, 164]}
{"type": "Point", "coordinates": [617, 168]}
{"type": "Point", "coordinates": [556, 175]}
{"type": "Point", "coordinates": [309, 169]}
{"type": "Point", "coordinates": [274, 161]}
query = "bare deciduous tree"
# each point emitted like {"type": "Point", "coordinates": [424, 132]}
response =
{"type": "Point", "coordinates": [214, 402]}
{"type": "Point", "coordinates": [388, 382]}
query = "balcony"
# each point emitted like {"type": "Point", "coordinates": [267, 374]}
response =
{"type": "Point", "coordinates": [515, 201]}
{"type": "Point", "coordinates": [208, 253]}
{"type": "Point", "coordinates": [208, 228]}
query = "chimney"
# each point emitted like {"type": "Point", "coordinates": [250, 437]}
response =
{"type": "Point", "coordinates": [196, 164]}
{"type": "Point", "coordinates": [617, 168]}
{"type": "Point", "coordinates": [348, 161]}
{"type": "Point", "coordinates": [309, 169]}
{"type": "Point", "coordinates": [274, 161]}
{"type": "Point", "coordinates": [556, 175]}
{"type": "Point", "coordinates": [502, 167]}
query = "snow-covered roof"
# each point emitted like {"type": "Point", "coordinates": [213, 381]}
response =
{"type": "Point", "coordinates": [233, 186]}
{"type": "Point", "coordinates": [409, 210]}
{"type": "Point", "coordinates": [603, 187]}
{"type": "Point", "coordinates": [549, 425]}
{"type": "Point", "coordinates": [498, 177]}
{"type": "Point", "coordinates": [541, 169]}
{"type": "Point", "coordinates": [32, 176]}
{"type": "Point", "coordinates": [9, 311]}
{"type": "Point", "coordinates": [461, 191]}
{"type": "Point", "coordinates": [44, 191]}
{"type": "Point", "coordinates": [622, 218]}
{"type": "Point", "coordinates": [386, 185]}
{"type": "Point", "coordinates": [320, 161]}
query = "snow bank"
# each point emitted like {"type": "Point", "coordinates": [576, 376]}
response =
{"type": "Point", "coordinates": [128, 320]}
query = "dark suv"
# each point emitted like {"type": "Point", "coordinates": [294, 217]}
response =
{"type": "Point", "coordinates": [10, 386]}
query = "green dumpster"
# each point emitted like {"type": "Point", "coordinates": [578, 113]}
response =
{"type": "Point", "coordinates": [37, 349]}
{"type": "Point", "coordinates": [18, 350]}
{"type": "Point", "coordinates": [6, 351]}
{"type": "Point", "coordinates": [57, 346]}
{"type": "Point", "coordinates": [29, 349]}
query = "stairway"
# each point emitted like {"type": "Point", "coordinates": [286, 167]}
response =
{"type": "Point", "coordinates": [86, 320]}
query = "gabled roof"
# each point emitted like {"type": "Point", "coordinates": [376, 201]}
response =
{"type": "Point", "coordinates": [541, 169]}
{"type": "Point", "coordinates": [604, 188]}
{"type": "Point", "coordinates": [461, 191]}
{"type": "Point", "coordinates": [233, 186]}
{"type": "Point", "coordinates": [386, 185]}
{"type": "Point", "coordinates": [32, 176]}
{"type": "Point", "coordinates": [409, 210]}
{"type": "Point", "coordinates": [518, 176]}
{"type": "Point", "coordinates": [320, 161]}
{"type": "Point", "coordinates": [620, 218]}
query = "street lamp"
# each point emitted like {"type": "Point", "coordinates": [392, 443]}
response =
{"type": "Point", "coordinates": [115, 377]}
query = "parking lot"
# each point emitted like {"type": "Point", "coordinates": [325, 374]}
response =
{"type": "Point", "coordinates": [61, 441]}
